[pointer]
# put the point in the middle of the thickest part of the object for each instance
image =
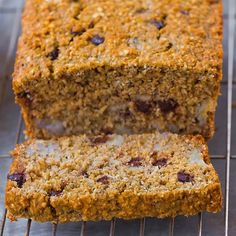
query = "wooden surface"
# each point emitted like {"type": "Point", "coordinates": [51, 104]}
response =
{"type": "Point", "coordinates": [11, 132]}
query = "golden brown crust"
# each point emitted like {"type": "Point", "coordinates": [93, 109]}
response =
{"type": "Point", "coordinates": [206, 54]}
{"type": "Point", "coordinates": [126, 205]}
{"type": "Point", "coordinates": [63, 81]}
{"type": "Point", "coordinates": [98, 178]}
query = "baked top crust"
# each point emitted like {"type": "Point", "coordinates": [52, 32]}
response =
{"type": "Point", "coordinates": [65, 37]}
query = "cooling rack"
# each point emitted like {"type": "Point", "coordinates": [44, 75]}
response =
{"type": "Point", "coordinates": [222, 149]}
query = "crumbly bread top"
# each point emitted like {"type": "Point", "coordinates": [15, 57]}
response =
{"type": "Point", "coordinates": [64, 37]}
{"type": "Point", "coordinates": [146, 163]}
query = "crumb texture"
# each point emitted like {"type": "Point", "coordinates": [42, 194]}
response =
{"type": "Point", "coordinates": [111, 66]}
{"type": "Point", "coordinates": [101, 177]}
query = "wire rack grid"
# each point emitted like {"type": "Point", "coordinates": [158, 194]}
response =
{"type": "Point", "coordinates": [14, 7]}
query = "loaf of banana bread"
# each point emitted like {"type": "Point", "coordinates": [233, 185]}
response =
{"type": "Point", "coordinates": [101, 177]}
{"type": "Point", "coordinates": [112, 66]}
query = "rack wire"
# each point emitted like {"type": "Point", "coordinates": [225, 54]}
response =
{"type": "Point", "coordinates": [227, 158]}
{"type": "Point", "coordinates": [229, 108]}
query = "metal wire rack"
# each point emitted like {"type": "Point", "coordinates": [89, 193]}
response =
{"type": "Point", "coordinates": [142, 227]}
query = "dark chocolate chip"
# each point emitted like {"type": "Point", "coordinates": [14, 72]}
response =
{"type": "Point", "coordinates": [107, 131]}
{"type": "Point", "coordinates": [104, 179]}
{"type": "Point", "coordinates": [160, 162]}
{"type": "Point", "coordinates": [53, 210]}
{"type": "Point", "coordinates": [85, 174]}
{"type": "Point", "coordinates": [154, 154]}
{"type": "Point", "coordinates": [53, 193]}
{"type": "Point", "coordinates": [63, 185]}
{"type": "Point", "coordinates": [197, 81]}
{"type": "Point", "coordinates": [78, 33]}
{"type": "Point", "coordinates": [26, 97]}
{"type": "Point", "coordinates": [97, 40]}
{"type": "Point", "coordinates": [181, 131]}
{"type": "Point", "coordinates": [115, 93]}
{"type": "Point", "coordinates": [143, 106]}
{"type": "Point", "coordinates": [99, 139]}
{"type": "Point", "coordinates": [141, 10]}
{"type": "Point", "coordinates": [167, 106]}
{"type": "Point", "coordinates": [158, 24]}
{"type": "Point", "coordinates": [19, 178]}
{"type": "Point", "coordinates": [184, 12]}
{"type": "Point", "coordinates": [135, 162]}
{"type": "Point", "coordinates": [196, 120]}
{"type": "Point", "coordinates": [126, 113]}
{"type": "Point", "coordinates": [53, 55]}
{"type": "Point", "coordinates": [168, 46]}
{"type": "Point", "coordinates": [91, 25]}
{"type": "Point", "coordinates": [162, 182]}
{"type": "Point", "coordinates": [184, 177]}
{"type": "Point", "coordinates": [130, 84]}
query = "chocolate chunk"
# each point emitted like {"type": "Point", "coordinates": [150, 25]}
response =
{"type": "Point", "coordinates": [160, 162]}
{"type": "Point", "coordinates": [158, 24]}
{"type": "Point", "coordinates": [196, 120]}
{"type": "Point", "coordinates": [91, 25]}
{"type": "Point", "coordinates": [54, 193]}
{"type": "Point", "coordinates": [25, 96]}
{"type": "Point", "coordinates": [154, 154]}
{"type": "Point", "coordinates": [85, 174]}
{"type": "Point", "coordinates": [143, 106]}
{"type": "Point", "coordinates": [53, 55]}
{"type": "Point", "coordinates": [141, 10]}
{"type": "Point", "coordinates": [167, 106]}
{"type": "Point", "coordinates": [104, 179]}
{"type": "Point", "coordinates": [99, 139]}
{"type": "Point", "coordinates": [135, 162]}
{"type": "Point", "coordinates": [107, 131]}
{"type": "Point", "coordinates": [97, 40]}
{"type": "Point", "coordinates": [19, 178]}
{"type": "Point", "coordinates": [126, 113]}
{"type": "Point", "coordinates": [78, 33]}
{"type": "Point", "coordinates": [184, 177]}
{"type": "Point", "coordinates": [184, 12]}
{"type": "Point", "coordinates": [169, 45]}
{"type": "Point", "coordinates": [63, 185]}
{"type": "Point", "coordinates": [53, 210]}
